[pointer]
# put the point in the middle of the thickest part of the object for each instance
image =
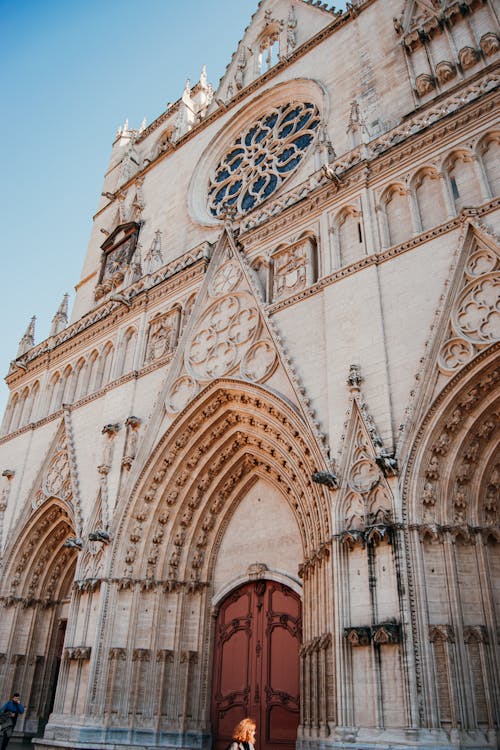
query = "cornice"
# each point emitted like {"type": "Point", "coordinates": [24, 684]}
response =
{"type": "Point", "coordinates": [398, 145]}
{"type": "Point", "coordinates": [59, 414]}
{"type": "Point", "coordinates": [180, 272]}
{"type": "Point", "coordinates": [376, 259]}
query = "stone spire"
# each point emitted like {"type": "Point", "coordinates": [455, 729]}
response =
{"type": "Point", "coordinates": [28, 340]}
{"type": "Point", "coordinates": [60, 319]}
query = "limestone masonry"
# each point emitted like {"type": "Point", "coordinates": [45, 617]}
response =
{"type": "Point", "coordinates": [256, 471]}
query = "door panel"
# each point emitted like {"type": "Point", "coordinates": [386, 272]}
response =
{"type": "Point", "coordinates": [256, 665]}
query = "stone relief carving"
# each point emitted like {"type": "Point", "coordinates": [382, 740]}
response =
{"type": "Point", "coordinates": [468, 57]}
{"type": "Point", "coordinates": [163, 335]}
{"type": "Point", "coordinates": [424, 83]}
{"type": "Point", "coordinates": [460, 475]}
{"type": "Point", "coordinates": [57, 479]}
{"type": "Point", "coordinates": [118, 252]}
{"type": "Point", "coordinates": [445, 71]}
{"type": "Point", "coordinates": [132, 425]}
{"type": "Point", "coordinates": [227, 338]}
{"type": "Point", "coordinates": [489, 43]}
{"type": "Point", "coordinates": [475, 317]}
{"type": "Point", "coordinates": [293, 268]}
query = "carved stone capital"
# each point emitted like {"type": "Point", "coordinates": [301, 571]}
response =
{"type": "Point", "coordinates": [475, 634]}
{"type": "Point", "coordinates": [357, 636]}
{"type": "Point", "coordinates": [117, 654]}
{"type": "Point", "coordinates": [385, 633]}
{"type": "Point", "coordinates": [441, 633]}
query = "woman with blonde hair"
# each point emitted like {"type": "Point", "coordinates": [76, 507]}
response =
{"type": "Point", "coordinates": [244, 735]}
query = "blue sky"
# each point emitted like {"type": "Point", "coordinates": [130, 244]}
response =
{"type": "Point", "coordinates": [71, 73]}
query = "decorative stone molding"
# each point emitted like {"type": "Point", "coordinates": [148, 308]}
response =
{"type": "Point", "coordinates": [77, 653]}
{"type": "Point", "coordinates": [358, 636]}
{"type": "Point", "coordinates": [141, 654]}
{"type": "Point", "coordinates": [475, 634]}
{"type": "Point", "coordinates": [189, 657]}
{"type": "Point", "coordinates": [443, 633]}
{"type": "Point", "coordinates": [117, 654]}
{"type": "Point", "coordinates": [165, 655]}
{"type": "Point", "coordinates": [386, 633]}
{"type": "Point", "coordinates": [424, 84]}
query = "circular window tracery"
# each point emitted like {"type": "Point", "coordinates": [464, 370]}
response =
{"type": "Point", "coordinates": [261, 159]}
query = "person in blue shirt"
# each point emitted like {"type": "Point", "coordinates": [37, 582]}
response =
{"type": "Point", "coordinates": [11, 709]}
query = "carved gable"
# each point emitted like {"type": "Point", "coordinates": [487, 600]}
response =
{"type": "Point", "coordinates": [277, 28]}
{"type": "Point", "coordinates": [58, 477]}
{"type": "Point", "coordinates": [366, 501]}
{"type": "Point", "coordinates": [227, 336]}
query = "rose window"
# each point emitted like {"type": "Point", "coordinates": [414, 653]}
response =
{"type": "Point", "coordinates": [261, 159]}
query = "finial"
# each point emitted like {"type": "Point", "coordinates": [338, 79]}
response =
{"type": "Point", "coordinates": [60, 319]}
{"type": "Point", "coordinates": [203, 77]}
{"type": "Point", "coordinates": [28, 340]}
{"type": "Point", "coordinates": [143, 125]}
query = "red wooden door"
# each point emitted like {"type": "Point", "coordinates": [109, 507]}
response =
{"type": "Point", "coordinates": [256, 665]}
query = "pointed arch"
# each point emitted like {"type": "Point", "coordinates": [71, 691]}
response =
{"type": "Point", "coordinates": [396, 203]}
{"type": "Point", "coordinates": [350, 233]}
{"type": "Point", "coordinates": [231, 432]}
{"type": "Point", "coordinates": [428, 188]}
{"type": "Point", "coordinates": [460, 170]}
{"type": "Point", "coordinates": [488, 150]}
{"type": "Point", "coordinates": [457, 439]}
{"type": "Point", "coordinates": [38, 568]}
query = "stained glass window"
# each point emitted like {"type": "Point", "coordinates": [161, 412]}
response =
{"type": "Point", "coordinates": [262, 158]}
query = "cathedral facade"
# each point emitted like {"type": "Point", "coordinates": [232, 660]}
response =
{"type": "Point", "coordinates": [256, 471]}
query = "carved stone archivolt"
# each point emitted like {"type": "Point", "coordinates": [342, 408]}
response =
{"type": "Point", "coordinates": [38, 570]}
{"type": "Point", "coordinates": [218, 447]}
{"type": "Point", "coordinates": [456, 460]}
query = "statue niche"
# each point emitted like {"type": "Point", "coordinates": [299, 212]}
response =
{"type": "Point", "coordinates": [118, 250]}
{"type": "Point", "coordinates": [294, 268]}
{"type": "Point", "coordinates": [163, 335]}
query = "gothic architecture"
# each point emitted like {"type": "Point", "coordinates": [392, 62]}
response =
{"type": "Point", "coordinates": [256, 470]}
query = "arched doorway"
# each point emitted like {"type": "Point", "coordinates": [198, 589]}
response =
{"type": "Point", "coordinates": [256, 664]}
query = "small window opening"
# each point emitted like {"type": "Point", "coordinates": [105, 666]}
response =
{"type": "Point", "coordinates": [454, 188]}
{"type": "Point", "coordinates": [360, 234]}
